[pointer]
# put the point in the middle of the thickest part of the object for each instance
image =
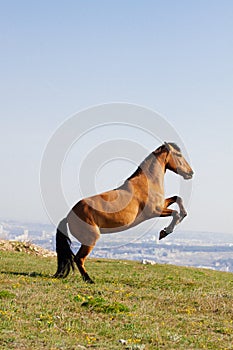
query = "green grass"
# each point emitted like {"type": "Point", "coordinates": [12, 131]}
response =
{"type": "Point", "coordinates": [144, 306]}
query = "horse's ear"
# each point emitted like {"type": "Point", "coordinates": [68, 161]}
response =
{"type": "Point", "coordinates": [157, 151]}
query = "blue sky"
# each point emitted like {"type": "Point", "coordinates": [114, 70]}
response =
{"type": "Point", "coordinates": [174, 57]}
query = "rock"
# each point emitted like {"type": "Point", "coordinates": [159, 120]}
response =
{"type": "Point", "coordinates": [148, 262]}
{"type": "Point", "coordinates": [26, 247]}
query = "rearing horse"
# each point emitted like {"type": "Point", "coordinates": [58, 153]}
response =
{"type": "Point", "coordinates": [141, 197]}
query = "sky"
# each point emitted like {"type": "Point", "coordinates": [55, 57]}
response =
{"type": "Point", "coordinates": [173, 57]}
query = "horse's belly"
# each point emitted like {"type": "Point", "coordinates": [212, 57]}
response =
{"type": "Point", "coordinates": [120, 226]}
{"type": "Point", "coordinates": [114, 222]}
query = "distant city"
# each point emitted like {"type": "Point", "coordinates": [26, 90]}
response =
{"type": "Point", "coordinates": [197, 249]}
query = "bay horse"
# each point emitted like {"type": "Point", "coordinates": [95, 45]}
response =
{"type": "Point", "coordinates": [139, 198]}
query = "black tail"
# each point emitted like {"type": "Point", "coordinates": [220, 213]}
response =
{"type": "Point", "coordinates": [65, 256]}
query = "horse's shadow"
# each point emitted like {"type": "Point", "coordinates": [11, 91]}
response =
{"type": "Point", "coordinates": [26, 274]}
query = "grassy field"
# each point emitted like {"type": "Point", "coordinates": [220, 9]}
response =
{"type": "Point", "coordinates": [130, 306]}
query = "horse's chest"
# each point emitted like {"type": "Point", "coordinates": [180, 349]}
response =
{"type": "Point", "coordinates": [154, 206]}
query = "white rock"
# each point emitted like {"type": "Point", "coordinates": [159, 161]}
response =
{"type": "Point", "coordinates": [148, 262]}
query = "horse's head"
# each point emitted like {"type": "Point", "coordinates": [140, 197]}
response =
{"type": "Point", "coordinates": [176, 162]}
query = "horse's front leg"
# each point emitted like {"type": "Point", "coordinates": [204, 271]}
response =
{"type": "Point", "coordinates": [177, 217]}
{"type": "Point", "coordinates": [178, 200]}
{"type": "Point", "coordinates": [175, 220]}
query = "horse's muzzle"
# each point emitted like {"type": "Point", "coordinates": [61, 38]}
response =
{"type": "Point", "coordinates": [188, 176]}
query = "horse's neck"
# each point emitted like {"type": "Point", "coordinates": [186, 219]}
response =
{"type": "Point", "coordinates": [152, 173]}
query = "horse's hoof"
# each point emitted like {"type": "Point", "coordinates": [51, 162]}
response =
{"type": "Point", "coordinates": [90, 281]}
{"type": "Point", "coordinates": [87, 279]}
{"type": "Point", "coordinates": [163, 234]}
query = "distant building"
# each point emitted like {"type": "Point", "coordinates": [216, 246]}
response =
{"type": "Point", "coordinates": [23, 237]}
{"type": "Point", "coordinates": [3, 233]}
{"type": "Point", "coordinates": [25, 233]}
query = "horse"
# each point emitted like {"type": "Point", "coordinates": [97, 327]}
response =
{"type": "Point", "coordinates": [139, 198]}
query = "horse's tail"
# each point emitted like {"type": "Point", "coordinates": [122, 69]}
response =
{"type": "Point", "coordinates": [65, 256]}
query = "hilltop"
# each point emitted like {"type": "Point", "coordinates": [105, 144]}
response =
{"type": "Point", "coordinates": [131, 306]}
{"type": "Point", "coordinates": [26, 247]}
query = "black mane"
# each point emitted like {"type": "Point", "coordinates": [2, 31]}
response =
{"type": "Point", "coordinates": [137, 172]}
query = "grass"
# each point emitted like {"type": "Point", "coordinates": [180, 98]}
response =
{"type": "Point", "coordinates": [131, 306]}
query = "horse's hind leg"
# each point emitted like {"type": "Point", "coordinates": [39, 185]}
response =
{"type": "Point", "coordinates": [80, 258]}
